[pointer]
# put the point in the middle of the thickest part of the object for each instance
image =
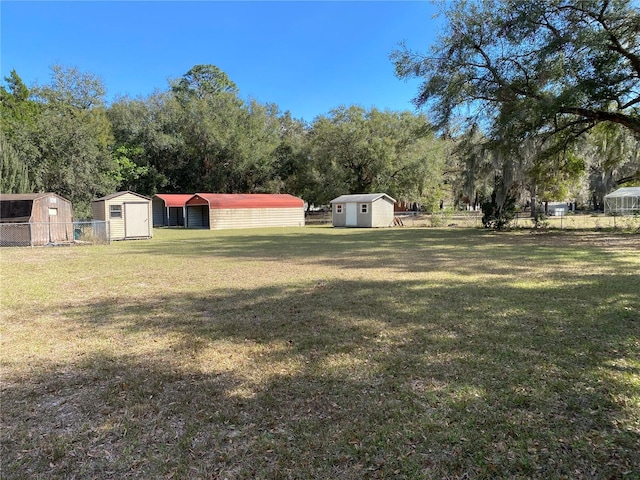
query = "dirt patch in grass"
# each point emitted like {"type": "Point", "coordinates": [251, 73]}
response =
{"type": "Point", "coordinates": [324, 353]}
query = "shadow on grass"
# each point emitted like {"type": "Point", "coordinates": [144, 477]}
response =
{"type": "Point", "coordinates": [340, 379]}
{"type": "Point", "coordinates": [464, 251]}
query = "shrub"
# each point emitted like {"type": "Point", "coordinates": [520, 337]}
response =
{"type": "Point", "coordinates": [498, 216]}
{"type": "Point", "coordinates": [539, 220]}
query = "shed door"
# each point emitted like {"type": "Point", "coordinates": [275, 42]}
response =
{"type": "Point", "coordinates": [352, 215]}
{"type": "Point", "coordinates": [136, 220]}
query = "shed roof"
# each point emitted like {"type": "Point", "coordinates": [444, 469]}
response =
{"type": "Point", "coordinates": [361, 198]}
{"type": "Point", "coordinates": [27, 196]}
{"type": "Point", "coordinates": [625, 192]}
{"type": "Point", "coordinates": [246, 200]}
{"type": "Point", "coordinates": [174, 199]}
{"type": "Point", "coordinates": [117, 194]}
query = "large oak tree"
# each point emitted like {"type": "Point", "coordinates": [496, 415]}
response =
{"type": "Point", "coordinates": [526, 68]}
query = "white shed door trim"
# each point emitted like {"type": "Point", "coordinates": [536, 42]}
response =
{"type": "Point", "coordinates": [352, 215]}
{"type": "Point", "coordinates": [136, 220]}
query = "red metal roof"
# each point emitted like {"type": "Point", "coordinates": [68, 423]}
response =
{"type": "Point", "coordinates": [174, 199]}
{"type": "Point", "coordinates": [246, 200]}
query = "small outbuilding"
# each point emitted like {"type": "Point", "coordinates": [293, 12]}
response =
{"type": "Point", "coordinates": [129, 215]}
{"type": "Point", "coordinates": [624, 201]}
{"type": "Point", "coordinates": [169, 209]}
{"type": "Point", "coordinates": [31, 219]}
{"type": "Point", "coordinates": [216, 211]}
{"type": "Point", "coordinates": [557, 209]}
{"type": "Point", "coordinates": [362, 210]}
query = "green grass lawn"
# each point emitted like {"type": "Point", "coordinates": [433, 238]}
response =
{"type": "Point", "coordinates": [323, 353]}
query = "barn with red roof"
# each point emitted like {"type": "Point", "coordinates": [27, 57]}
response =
{"type": "Point", "coordinates": [221, 210]}
{"type": "Point", "coordinates": [169, 209]}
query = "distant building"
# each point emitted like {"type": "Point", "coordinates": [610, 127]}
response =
{"type": "Point", "coordinates": [624, 201]}
{"type": "Point", "coordinates": [556, 209]}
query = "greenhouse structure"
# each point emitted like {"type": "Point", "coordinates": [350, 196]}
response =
{"type": "Point", "coordinates": [624, 201]}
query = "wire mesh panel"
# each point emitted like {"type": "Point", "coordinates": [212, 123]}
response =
{"type": "Point", "coordinates": [55, 233]}
{"type": "Point", "coordinates": [91, 231]}
{"type": "Point", "coordinates": [15, 234]}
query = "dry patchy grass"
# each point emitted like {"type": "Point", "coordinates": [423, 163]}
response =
{"type": "Point", "coordinates": [323, 353]}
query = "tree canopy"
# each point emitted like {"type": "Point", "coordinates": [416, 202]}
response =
{"type": "Point", "coordinates": [527, 68]}
{"type": "Point", "coordinates": [363, 151]}
{"type": "Point", "coordinates": [202, 81]}
{"type": "Point", "coordinates": [198, 134]}
{"type": "Point", "coordinates": [58, 137]}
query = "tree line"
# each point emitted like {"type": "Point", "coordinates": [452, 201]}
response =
{"type": "Point", "coordinates": [198, 135]}
{"type": "Point", "coordinates": [526, 103]}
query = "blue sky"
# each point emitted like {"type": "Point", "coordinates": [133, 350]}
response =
{"type": "Point", "coordinates": [306, 57]}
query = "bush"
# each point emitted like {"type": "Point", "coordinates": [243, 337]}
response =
{"type": "Point", "coordinates": [498, 217]}
{"type": "Point", "coordinates": [539, 220]}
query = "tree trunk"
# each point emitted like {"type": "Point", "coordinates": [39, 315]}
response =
{"type": "Point", "coordinates": [534, 203]}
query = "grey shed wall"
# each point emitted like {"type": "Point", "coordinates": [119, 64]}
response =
{"type": "Point", "coordinates": [379, 211]}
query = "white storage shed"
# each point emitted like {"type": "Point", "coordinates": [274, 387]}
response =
{"type": "Point", "coordinates": [129, 215]}
{"type": "Point", "coordinates": [368, 210]}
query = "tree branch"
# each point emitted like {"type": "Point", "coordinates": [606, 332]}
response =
{"type": "Point", "coordinates": [631, 123]}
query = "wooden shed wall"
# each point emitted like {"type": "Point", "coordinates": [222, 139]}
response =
{"type": "Point", "coordinates": [50, 227]}
{"type": "Point", "coordinates": [98, 210]}
{"type": "Point", "coordinates": [50, 219]}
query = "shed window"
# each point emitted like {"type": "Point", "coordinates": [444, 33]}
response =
{"type": "Point", "coordinates": [53, 212]}
{"type": "Point", "coordinates": [338, 208]}
{"type": "Point", "coordinates": [364, 208]}
{"type": "Point", "coordinates": [115, 211]}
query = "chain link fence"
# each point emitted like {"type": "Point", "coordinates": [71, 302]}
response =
{"type": "Point", "coordinates": [580, 221]}
{"type": "Point", "coordinates": [32, 234]}
{"type": "Point", "coordinates": [567, 221]}
{"type": "Point", "coordinates": [471, 219]}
